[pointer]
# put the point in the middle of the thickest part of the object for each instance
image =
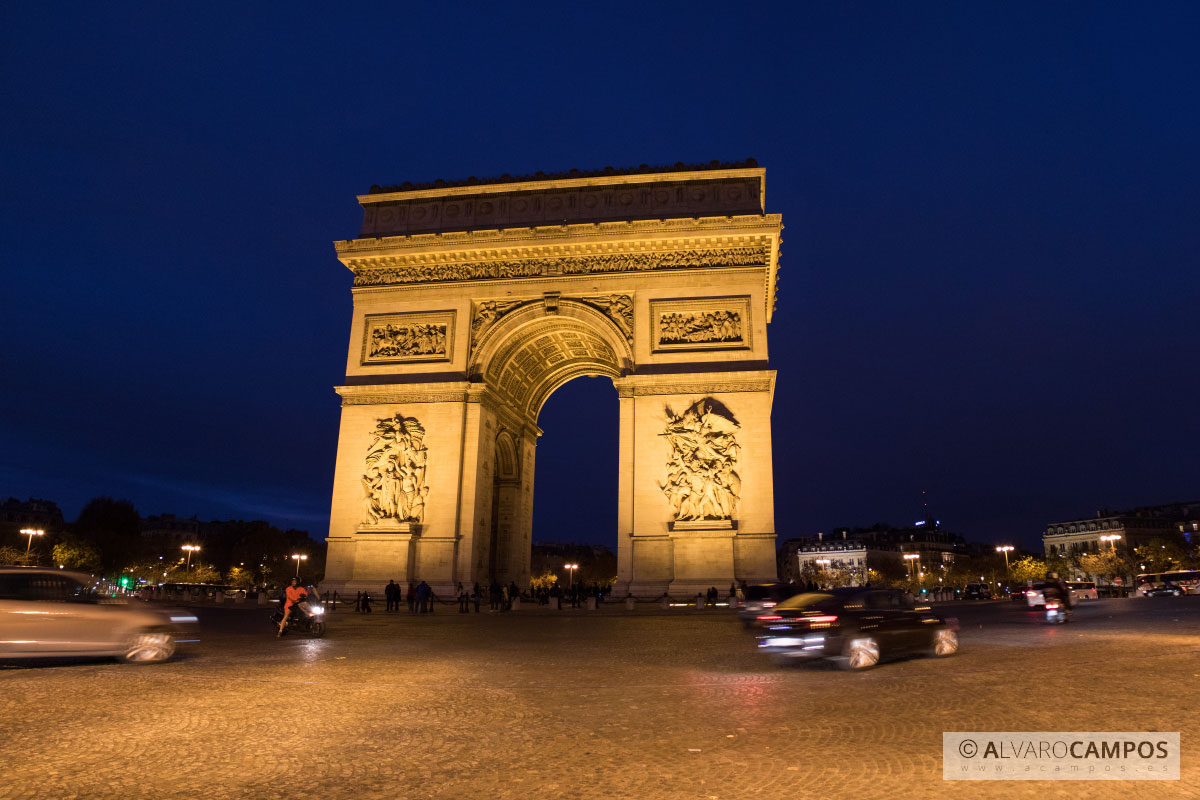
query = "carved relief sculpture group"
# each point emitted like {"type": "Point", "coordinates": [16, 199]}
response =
{"type": "Point", "coordinates": [702, 479]}
{"type": "Point", "coordinates": [699, 327]}
{"type": "Point", "coordinates": [394, 482]}
{"type": "Point", "coordinates": [397, 341]}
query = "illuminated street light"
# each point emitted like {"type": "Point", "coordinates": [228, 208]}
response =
{"type": "Point", "coordinates": [1111, 538]}
{"type": "Point", "coordinates": [299, 558]}
{"type": "Point", "coordinates": [570, 568]}
{"type": "Point", "coordinates": [1006, 549]}
{"type": "Point", "coordinates": [911, 562]}
{"type": "Point", "coordinates": [190, 548]}
{"type": "Point", "coordinates": [31, 532]}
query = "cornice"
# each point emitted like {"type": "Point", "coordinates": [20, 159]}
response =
{"type": "Point", "coordinates": [641, 178]}
{"type": "Point", "coordinates": [480, 243]}
{"type": "Point", "coordinates": [696, 383]}
{"type": "Point", "coordinates": [384, 394]}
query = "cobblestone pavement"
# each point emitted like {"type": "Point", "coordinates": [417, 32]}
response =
{"type": "Point", "coordinates": [577, 705]}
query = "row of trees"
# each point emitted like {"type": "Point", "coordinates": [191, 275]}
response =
{"type": "Point", "coordinates": [106, 540]}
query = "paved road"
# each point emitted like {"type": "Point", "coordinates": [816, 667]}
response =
{"type": "Point", "coordinates": [578, 705]}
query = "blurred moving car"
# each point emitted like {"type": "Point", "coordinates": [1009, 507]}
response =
{"type": "Point", "coordinates": [1164, 590]}
{"type": "Point", "coordinates": [1083, 590]}
{"type": "Point", "coordinates": [763, 597]}
{"type": "Point", "coordinates": [855, 628]}
{"type": "Point", "coordinates": [51, 612]}
{"type": "Point", "coordinates": [1035, 596]}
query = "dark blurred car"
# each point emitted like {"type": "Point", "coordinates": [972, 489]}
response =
{"type": "Point", "coordinates": [48, 613]}
{"type": "Point", "coordinates": [855, 628]}
{"type": "Point", "coordinates": [763, 597]}
{"type": "Point", "coordinates": [1164, 590]}
{"type": "Point", "coordinates": [977, 591]}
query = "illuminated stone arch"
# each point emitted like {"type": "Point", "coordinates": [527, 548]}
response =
{"type": "Point", "coordinates": [474, 303]}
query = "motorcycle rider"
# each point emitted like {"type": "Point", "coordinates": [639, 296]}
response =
{"type": "Point", "coordinates": [292, 595]}
{"type": "Point", "coordinates": [1056, 589]}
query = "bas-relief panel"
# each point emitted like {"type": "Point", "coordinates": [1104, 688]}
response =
{"type": "Point", "coordinates": [398, 338]}
{"type": "Point", "coordinates": [717, 323]}
{"type": "Point", "coordinates": [702, 479]}
{"type": "Point", "coordinates": [394, 480]}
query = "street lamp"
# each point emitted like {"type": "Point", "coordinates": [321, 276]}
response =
{"type": "Point", "coordinates": [570, 568]}
{"type": "Point", "coordinates": [1111, 538]}
{"type": "Point", "coordinates": [911, 562]}
{"type": "Point", "coordinates": [1006, 549]}
{"type": "Point", "coordinates": [31, 532]}
{"type": "Point", "coordinates": [190, 548]}
{"type": "Point", "coordinates": [299, 558]}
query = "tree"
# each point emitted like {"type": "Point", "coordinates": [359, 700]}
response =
{"type": "Point", "coordinates": [11, 555]}
{"type": "Point", "coordinates": [546, 580]}
{"type": "Point", "coordinates": [201, 573]}
{"type": "Point", "coordinates": [1159, 555]}
{"type": "Point", "coordinates": [1027, 569]}
{"type": "Point", "coordinates": [111, 527]}
{"type": "Point", "coordinates": [240, 577]}
{"type": "Point", "coordinates": [1106, 564]}
{"type": "Point", "coordinates": [74, 554]}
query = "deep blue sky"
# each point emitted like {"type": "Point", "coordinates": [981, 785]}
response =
{"type": "Point", "coordinates": [990, 274]}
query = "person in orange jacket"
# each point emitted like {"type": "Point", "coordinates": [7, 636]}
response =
{"type": "Point", "coordinates": [292, 595]}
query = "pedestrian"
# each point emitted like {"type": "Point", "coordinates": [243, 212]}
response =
{"type": "Point", "coordinates": [463, 600]}
{"type": "Point", "coordinates": [475, 596]}
{"type": "Point", "coordinates": [358, 602]}
{"type": "Point", "coordinates": [494, 596]}
{"type": "Point", "coordinates": [423, 596]}
{"type": "Point", "coordinates": [389, 596]}
{"type": "Point", "coordinates": [366, 603]}
{"type": "Point", "coordinates": [412, 599]}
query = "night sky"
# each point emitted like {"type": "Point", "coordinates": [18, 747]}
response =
{"type": "Point", "coordinates": [989, 284]}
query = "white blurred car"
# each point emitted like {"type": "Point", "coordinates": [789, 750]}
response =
{"type": "Point", "coordinates": [46, 613]}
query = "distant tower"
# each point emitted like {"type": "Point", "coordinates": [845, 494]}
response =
{"type": "Point", "coordinates": [927, 519]}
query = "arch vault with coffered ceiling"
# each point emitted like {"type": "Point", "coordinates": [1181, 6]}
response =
{"type": "Point", "coordinates": [473, 302]}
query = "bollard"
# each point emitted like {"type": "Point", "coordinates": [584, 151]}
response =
{"type": "Point", "coordinates": [629, 604]}
{"type": "Point", "coordinates": [665, 603]}
{"type": "Point", "coordinates": [516, 604]}
{"type": "Point", "coordinates": [700, 600]}
{"type": "Point", "coordinates": [263, 599]}
{"type": "Point", "coordinates": [591, 604]}
{"type": "Point", "coordinates": [554, 606]}
{"type": "Point", "coordinates": [218, 597]}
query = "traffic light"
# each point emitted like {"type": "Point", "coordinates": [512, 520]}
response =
{"type": "Point", "coordinates": [124, 581]}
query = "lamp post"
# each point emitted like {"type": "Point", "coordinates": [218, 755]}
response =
{"type": "Point", "coordinates": [1006, 549]}
{"type": "Point", "coordinates": [911, 562]}
{"type": "Point", "coordinates": [298, 557]}
{"type": "Point", "coordinates": [31, 532]}
{"type": "Point", "coordinates": [822, 564]}
{"type": "Point", "coordinates": [1112, 539]}
{"type": "Point", "coordinates": [190, 548]}
{"type": "Point", "coordinates": [570, 568]}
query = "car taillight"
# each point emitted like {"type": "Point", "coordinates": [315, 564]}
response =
{"type": "Point", "coordinates": [1051, 606]}
{"type": "Point", "coordinates": [768, 604]}
{"type": "Point", "coordinates": [823, 619]}
{"type": "Point", "coordinates": [769, 617]}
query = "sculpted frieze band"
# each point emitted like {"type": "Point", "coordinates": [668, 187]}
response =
{"type": "Point", "coordinates": [702, 480]}
{"type": "Point", "coordinates": [394, 481]}
{"type": "Point", "coordinates": [596, 263]}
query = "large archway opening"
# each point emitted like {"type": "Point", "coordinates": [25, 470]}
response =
{"type": "Point", "coordinates": [575, 485]}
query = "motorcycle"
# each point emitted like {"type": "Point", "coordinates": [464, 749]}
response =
{"type": "Point", "coordinates": [305, 618]}
{"type": "Point", "coordinates": [1057, 613]}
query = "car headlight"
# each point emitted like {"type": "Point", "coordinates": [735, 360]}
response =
{"type": "Point", "coordinates": [318, 610]}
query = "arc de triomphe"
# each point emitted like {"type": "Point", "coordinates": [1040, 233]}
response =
{"type": "Point", "coordinates": [474, 301]}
